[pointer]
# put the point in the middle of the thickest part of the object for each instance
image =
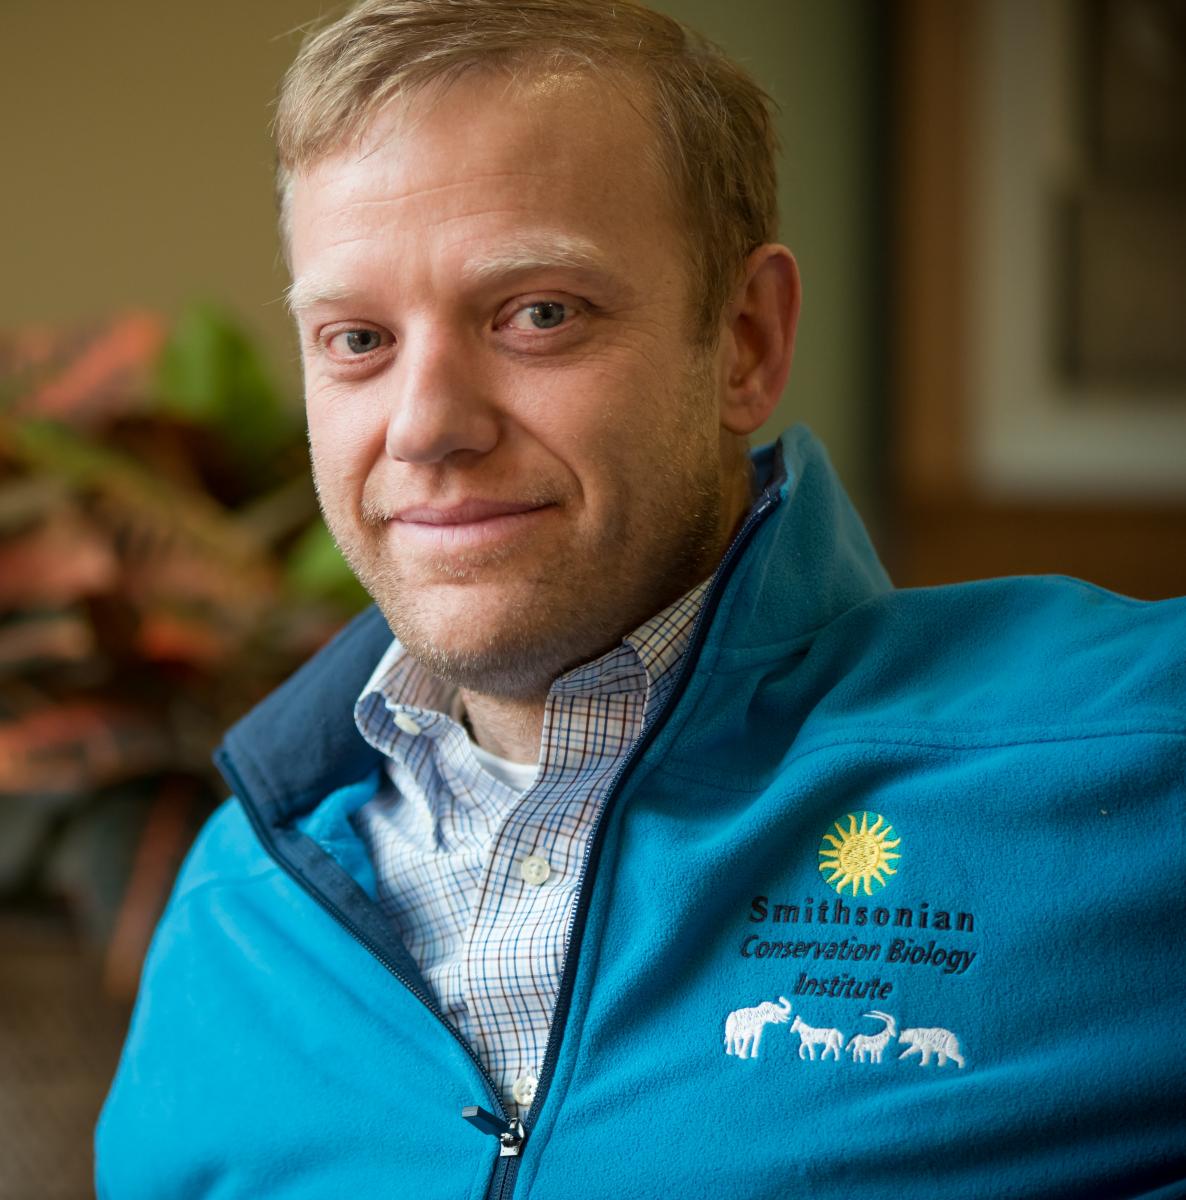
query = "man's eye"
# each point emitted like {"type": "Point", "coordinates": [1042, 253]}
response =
{"type": "Point", "coordinates": [357, 341]}
{"type": "Point", "coordinates": [547, 314]}
{"type": "Point", "coordinates": [543, 314]}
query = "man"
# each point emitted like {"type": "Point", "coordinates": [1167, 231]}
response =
{"type": "Point", "coordinates": [667, 850]}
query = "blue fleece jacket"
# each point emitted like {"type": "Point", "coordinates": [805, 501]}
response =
{"type": "Point", "coordinates": [888, 904]}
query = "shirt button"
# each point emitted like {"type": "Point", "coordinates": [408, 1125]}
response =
{"type": "Point", "coordinates": [535, 870]}
{"type": "Point", "coordinates": [407, 724]}
{"type": "Point", "coordinates": [523, 1089]}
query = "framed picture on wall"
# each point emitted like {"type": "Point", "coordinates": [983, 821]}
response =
{"type": "Point", "coordinates": [1077, 240]}
{"type": "Point", "coordinates": [1037, 417]}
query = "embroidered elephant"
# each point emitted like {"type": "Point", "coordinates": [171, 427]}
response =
{"type": "Point", "coordinates": [743, 1028]}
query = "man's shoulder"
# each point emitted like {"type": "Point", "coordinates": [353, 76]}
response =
{"type": "Point", "coordinates": [225, 852]}
{"type": "Point", "coordinates": [1025, 653]}
{"type": "Point", "coordinates": [1053, 608]}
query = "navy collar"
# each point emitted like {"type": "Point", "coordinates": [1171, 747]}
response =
{"type": "Point", "coordinates": [301, 743]}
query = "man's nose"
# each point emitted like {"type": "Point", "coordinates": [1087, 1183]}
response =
{"type": "Point", "coordinates": [441, 403]}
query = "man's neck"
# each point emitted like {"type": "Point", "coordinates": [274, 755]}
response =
{"type": "Point", "coordinates": [509, 728]}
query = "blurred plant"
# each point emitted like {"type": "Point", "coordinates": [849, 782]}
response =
{"type": "Point", "coordinates": [162, 566]}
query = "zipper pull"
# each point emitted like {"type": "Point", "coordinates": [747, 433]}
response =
{"type": "Point", "coordinates": [511, 1135]}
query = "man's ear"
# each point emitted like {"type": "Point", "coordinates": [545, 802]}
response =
{"type": "Point", "coordinates": [758, 339]}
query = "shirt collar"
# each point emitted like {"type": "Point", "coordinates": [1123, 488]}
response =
{"type": "Point", "coordinates": [645, 660]}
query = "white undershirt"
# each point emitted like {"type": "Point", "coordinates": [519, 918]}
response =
{"type": "Point", "coordinates": [516, 775]}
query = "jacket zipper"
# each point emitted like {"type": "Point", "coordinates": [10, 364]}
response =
{"type": "Point", "coordinates": [342, 919]}
{"type": "Point", "coordinates": [503, 1183]}
{"type": "Point", "coordinates": [513, 1134]}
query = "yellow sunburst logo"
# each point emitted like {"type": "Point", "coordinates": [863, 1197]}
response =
{"type": "Point", "coordinates": [861, 855]}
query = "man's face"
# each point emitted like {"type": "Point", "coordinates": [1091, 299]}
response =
{"type": "Point", "coordinates": [515, 441]}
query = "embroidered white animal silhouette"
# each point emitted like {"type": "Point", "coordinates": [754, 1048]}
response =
{"type": "Point", "coordinates": [926, 1042]}
{"type": "Point", "coordinates": [743, 1028]}
{"type": "Point", "coordinates": [810, 1037]}
{"type": "Point", "coordinates": [872, 1044]}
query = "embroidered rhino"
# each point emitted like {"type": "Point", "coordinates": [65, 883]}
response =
{"type": "Point", "coordinates": [925, 1042]}
{"type": "Point", "coordinates": [743, 1028]}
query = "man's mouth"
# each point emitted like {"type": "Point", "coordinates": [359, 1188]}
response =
{"type": "Point", "coordinates": [466, 512]}
{"type": "Point", "coordinates": [468, 524]}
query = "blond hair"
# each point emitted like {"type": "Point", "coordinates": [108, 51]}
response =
{"type": "Point", "coordinates": [713, 126]}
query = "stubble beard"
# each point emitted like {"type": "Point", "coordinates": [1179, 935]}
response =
{"type": "Point", "coordinates": [571, 609]}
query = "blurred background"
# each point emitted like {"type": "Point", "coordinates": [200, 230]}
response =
{"type": "Point", "coordinates": [986, 201]}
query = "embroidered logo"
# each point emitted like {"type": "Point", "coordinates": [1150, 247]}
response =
{"type": "Point", "coordinates": [872, 1044]}
{"type": "Point", "coordinates": [926, 1042]}
{"type": "Point", "coordinates": [810, 1037]}
{"type": "Point", "coordinates": [861, 855]}
{"type": "Point", "coordinates": [743, 1027]}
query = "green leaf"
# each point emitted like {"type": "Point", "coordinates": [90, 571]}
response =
{"type": "Point", "coordinates": [209, 372]}
{"type": "Point", "coordinates": [316, 569]}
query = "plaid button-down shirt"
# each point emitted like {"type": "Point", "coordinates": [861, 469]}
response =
{"type": "Point", "coordinates": [449, 841]}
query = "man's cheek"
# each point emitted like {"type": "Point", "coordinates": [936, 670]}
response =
{"type": "Point", "coordinates": [343, 440]}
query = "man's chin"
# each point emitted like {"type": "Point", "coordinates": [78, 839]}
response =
{"type": "Point", "coordinates": [489, 644]}
{"type": "Point", "coordinates": [511, 670]}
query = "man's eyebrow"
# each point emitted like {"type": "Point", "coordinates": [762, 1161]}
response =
{"type": "Point", "coordinates": [537, 253]}
{"type": "Point", "coordinates": [310, 290]}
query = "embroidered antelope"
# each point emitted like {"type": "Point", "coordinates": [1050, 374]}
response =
{"type": "Point", "coordinates": [810, 1037]}
{"type": "Point", "coordinates": [872, 1044]}
{"type": "Point", "coordinates": [925, 1042]}
{"type": "Point", "coordinates": [743, 1028]}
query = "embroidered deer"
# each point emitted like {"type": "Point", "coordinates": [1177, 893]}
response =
{"type": "Point", "coordinates": [925, 1042]}
{"type": "Point", "coordinates": [872, 1044]}
{"type": "Point", "coordinates": [810, 1037]}
{"type": "Point", "coordinates": [743, 1028]}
